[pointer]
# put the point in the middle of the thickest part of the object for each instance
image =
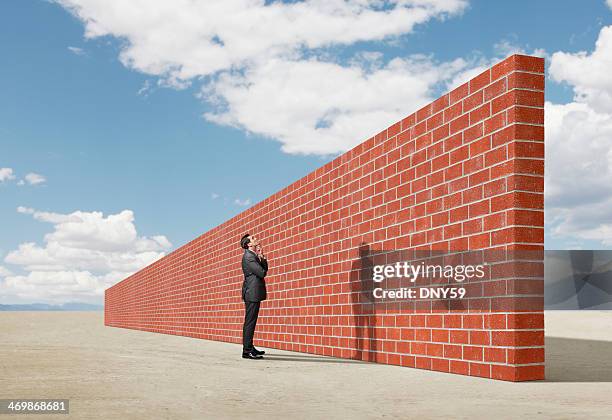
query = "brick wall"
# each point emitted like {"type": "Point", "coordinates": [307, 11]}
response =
{"type": "Point", "coordinates": [464, 172]}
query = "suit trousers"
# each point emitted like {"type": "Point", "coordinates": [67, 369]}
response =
{"type": "Point", "coordinates": [251, 313]}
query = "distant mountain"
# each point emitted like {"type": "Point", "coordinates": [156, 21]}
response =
{"type": "Point", "coordinates": [68, 306]}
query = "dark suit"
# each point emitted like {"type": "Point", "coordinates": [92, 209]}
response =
{"type": "Point", "coordinates": [253, 292]}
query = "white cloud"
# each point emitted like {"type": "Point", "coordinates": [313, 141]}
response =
{"type": "Point", "coordinates": [85, 253]}
{"type": "Point", "coordinates": [183, 39]}
{"type": "Point", "coordinates": [589, 74]}
{"type": "Point", "coordinates": [31, 178]}
{"type": "Point", "coordinates": [35, 179]}
{"type": "Point", "coordinates": [241, 202]}
{"type": "Point", "coordinates": [237, 201]}
{"type": "Point", "coordinates": [4, 272]}
{"type": "Point", "coordinates": [57, 286]}
{"type": "Point", "coordinates": [609, 3]}
{"type": "Point", "coordinates": [506, 47]}
{"type": "Point", "coordinates": [145, 89]}
{"type": "Point", "coordinates": [76, 50]}
{"type": "Point", "coordinates": [6, 174]}
{"type": "Point", "coordinates": [25, 210]}
{"type": "Point", "coordinates": [501, 49]}
{"type": "Point", "coordinates": [473, 66]}
{"type": "Point", "coordinates": [578, 181]}
{"type": "Point", "coordinates": [320, 106]}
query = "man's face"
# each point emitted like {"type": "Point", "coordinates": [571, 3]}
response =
{"type": "Point", "coordinates": [253, 242]}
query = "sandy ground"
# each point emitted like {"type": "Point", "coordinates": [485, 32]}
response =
{"type": "Point", "coordinates": [125, 374]}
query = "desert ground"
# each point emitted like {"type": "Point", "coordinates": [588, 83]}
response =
{"type": "Point", "coordinates": [118, 373]}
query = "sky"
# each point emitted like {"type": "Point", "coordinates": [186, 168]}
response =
{"type": "Point", "coordinates": [126, 128]}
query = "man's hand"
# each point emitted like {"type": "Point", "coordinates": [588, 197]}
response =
{"type": "Point", "coordinates": [259, 250]}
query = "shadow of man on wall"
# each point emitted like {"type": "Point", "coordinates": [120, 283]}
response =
{"type": "Point", "coordinates": [363, 305]}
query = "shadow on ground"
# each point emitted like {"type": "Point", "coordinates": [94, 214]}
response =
{"type": "Point", "coordinates": [567, 360]}
{"type": "Point", "coordinates": [300, 358]}
{"type": "Point", "coordinates": [575, 360]}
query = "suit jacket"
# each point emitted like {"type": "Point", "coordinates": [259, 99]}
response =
{"type": "Point", "coordinates": [254, 285]}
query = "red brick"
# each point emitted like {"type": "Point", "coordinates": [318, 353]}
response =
{"type": "Point", "coordinates": [472, 226]}
{"type": "Point", "coordinates": [480, 113]}
{"type": "Point", "coordinates": [480, 81]}
{"type": "Point", "coordinates": [495, 89]}
{"type": "Point", "coordinates": [520, 80]}
{"type": "Point", "coordinates": [453, 351]}
{"type": "Point", "coordinates": [525, 115]}
{"type": "Point", "coordinates": [459, 367]}
{"type": "Point", "coordinates": [440, 365]}
{"type": "Point", "coordinates": [472, 353]}
{"type": "Point", "coordinates": [480, 369]}
{"type": "Point", "coordinates": [423, 113]}
{"type": "Point", "coordinates": [529, 132]}
{"type": "Point", "coordinates": [459, 93]}
{"type": "Point", "coordinates": [480, 337]}
{"type": "Point", "coordinates": [453, 142]}
{"type": "Point", "coordinates": [525, 217]}
{"type": "Point", "coordinates": [517, 338]}
{"type": "Point", "coordinates": [473, 133]}
{"type": "Point", "coordinates": [528, 97]}
{"type": "Point", "coordinates": [440, 103]}
{"type": "Point", "coordinates": [473, 101]}
{"type": "Point", "coordinates": [529, 63]}
{"type": "Point", "coordinates": [526, 355]}
{"type": "Point", "coordinates": [529, 149]}
{"type": "Point", "coordinates": [494, 354]}
{"type": "Point", "coordinates": [494, 221]}
{"type": "Point", "coordinates": [453, 112]}
{"type": "Point", "coordinates": [495, 123]}
{"type": "Point", "coordinates": [480, 241]}
{"type": "Point", "coordinates": [435, 121]}
{"type": "Point", "coordinates": [459, 124]}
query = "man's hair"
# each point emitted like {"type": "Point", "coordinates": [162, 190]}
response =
{"type": "Point", "coordinates": [244, 241]}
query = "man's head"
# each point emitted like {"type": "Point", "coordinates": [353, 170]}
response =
{"type": "Point", "coordinates": [249, 241]}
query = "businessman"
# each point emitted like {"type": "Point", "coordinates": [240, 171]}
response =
{"type": "Point", "coordinates": [254, 267]}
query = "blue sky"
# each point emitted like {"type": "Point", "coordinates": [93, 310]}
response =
{"type": "Point", "coordinates": [106, 126]}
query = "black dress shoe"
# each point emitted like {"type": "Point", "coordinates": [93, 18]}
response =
{"type": "Point", "coordinates": [258, 351]}
{"type": "Point", "coordinates": [251, 355]}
